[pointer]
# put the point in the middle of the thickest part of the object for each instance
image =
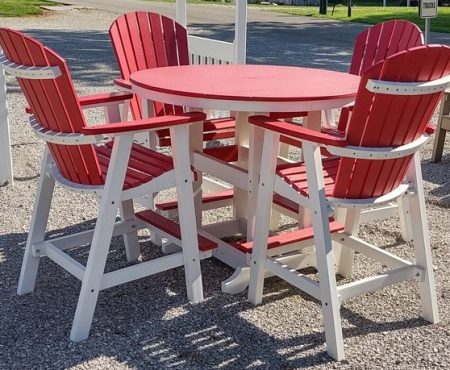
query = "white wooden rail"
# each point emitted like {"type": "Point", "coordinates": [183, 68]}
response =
{"type": "Point", "coordinates": [209, 51]}
{"type": "Point", "coordinates": [240, 30]}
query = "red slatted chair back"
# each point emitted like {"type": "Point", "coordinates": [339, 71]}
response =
{"type": "Point", "coordinates": [143, 40]}
{"type": "Point", "coordinates": [382, 40]}
{"type": "Point", "coordinates": [381, 120]}
{"type": "Point", "coordinates": [54, 104]}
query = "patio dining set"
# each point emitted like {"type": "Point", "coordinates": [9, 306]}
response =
{"type": "Point", "coordinates": [281, 152]}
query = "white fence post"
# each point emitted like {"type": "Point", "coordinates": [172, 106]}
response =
{"type": "Point", "coordinates": [6, 171]}
{"type": "Point", "coordinates": [180, 12]}
{"type": "Point", "coordinates": [240, 33]}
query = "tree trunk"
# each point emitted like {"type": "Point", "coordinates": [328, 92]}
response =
{"type": "Point", "coordinates": [323, 6]}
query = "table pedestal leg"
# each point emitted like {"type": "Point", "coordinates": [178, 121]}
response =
{"type": "Point", "coordinates": [254, 168]}
{"type": "Point", "coordinates": [240, 205]}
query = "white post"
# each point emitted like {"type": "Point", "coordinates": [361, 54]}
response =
{"type": "Point", "coordinates": [6, 171]}
{"type": "Point", "coordinates": [240, 32]}
{"type": "Point", "coordinates": [180, 12]}
{"type": "Point", "coordinates": [384, 3]}
{"type": "Point", "coordinates": [427, 30]}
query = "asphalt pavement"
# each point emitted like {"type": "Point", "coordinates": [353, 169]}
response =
{"type": "Point", "coordinates": [272, 38]}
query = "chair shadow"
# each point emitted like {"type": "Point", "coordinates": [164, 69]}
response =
{"type": "Point", "coordinates": [91, 59]}
{"type": "Point", "coordinates": [152, 319]}
{"type": "Point", "coordinates": [438, 173]}
{"type": "Point", "coordinates": [297, 48]}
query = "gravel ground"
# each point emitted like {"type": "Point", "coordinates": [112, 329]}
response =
{"type": "Point", "coordinates": [149, 324]}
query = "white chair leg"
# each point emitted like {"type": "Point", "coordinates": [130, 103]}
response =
{"type": "Point", "coordinates": [328, 118]}
{"type": "Point", "coordinates": [186, 211]}
{"type": "Point", "coordinates": [422, 243]}
{"type": "Point", "coordinates": [36, 234]}
{"type": "Point", "coordinates": [284, 150]}
{"type": "Point", "coordinates": [196, 144]}
{"type": "Point", "coordinates": [155, 237]}
{"type": "Point", "coordinates": [6, 167]}
{"type": "Point", "coordinates": [275, 219]}
{"type": "Point", "coordinates": [264, 205]}
{"type": "Point", "coordinates": [92, 278]}
{"type": "Point", "coordinates": [276, 215]}
{"type": "Point", "coordinates": [256, 141]}
{"type": "Point", "coordinates": [113, 113]}
{"type": "Point", "coordinates": [149, 140]}
{"type": "Point", "coordinates": [404, 213]}
{"type": "Point", "coordinates": [352, 218]}
{"type": "Point", "coordinates": [130, 239]}
{"type": "Point", "coordinates": [324, 252]}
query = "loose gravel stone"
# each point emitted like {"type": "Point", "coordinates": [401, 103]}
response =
{"type": "Point", "coordinates": [148, 324]}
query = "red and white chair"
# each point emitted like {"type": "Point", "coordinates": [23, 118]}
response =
{"type": "Point", "coordinates": [101, 160]}
{"type": "Point", "coordinates": [144, 40]}
{"type": "Point", "coordinates": [376, 161]}
{"type": "Point", "coordinates": [371, 46]}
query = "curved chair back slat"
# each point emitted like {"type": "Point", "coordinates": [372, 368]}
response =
{"type": "Point", "coordinates": [382, 120]}
{"type": "Point", "coordinates": [143, 40]}
{"type": "Point", "coordinates": [382, 40]}
{"type": "Point", "coordinates": [54, 104]}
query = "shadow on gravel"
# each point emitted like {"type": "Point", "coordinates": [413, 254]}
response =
{"type": "Point", "coordinates": [149, 324]}
{"type": "Point", "coordinates": [290, 44]}
{"type": "Point", "coordinates": [88, 53]}
{"type": "Point", "coordinates": [438, 173]}
{"type": "Point", "coordinates": [92, 62]}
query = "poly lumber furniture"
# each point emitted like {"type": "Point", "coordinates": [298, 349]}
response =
{"type": "Point", "coordinates": [101, 160]}
{"type": "Point", "coordinates": [377, 161]}
{"type": "Point", "coordinates": [243, 89]}
{"type": "Point", "coordinates": [380, 41]}
{"type": "Point", "coordinates": [144, 40]}
{"type": "Point", "coordinates": [443, 126]}
{"type": "Point", "coordinates": [372, 46]}
{"type": "Point", "coordinates": [202, 48]}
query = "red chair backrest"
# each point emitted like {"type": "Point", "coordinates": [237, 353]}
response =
{"type": "Point", "coordinates": [143, 40]}
{"type": "Point", "coordinates": [382, 40]}
{"type": "Point", "coordinates": [380, 120]}
{"type": "Point", "coordinates": [54, 104]}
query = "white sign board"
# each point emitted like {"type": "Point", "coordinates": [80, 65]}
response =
{"type": "Point", "coordinates": [428, 8]}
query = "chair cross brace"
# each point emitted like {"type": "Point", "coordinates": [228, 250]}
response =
{"type": "Point", "coordinates": [68, 138]}
{"type": "Point", "coordinates": [379, 153]}
{"type": "Point", "coordinates": [408, 88]}
{"type": "Point", "coordinates": [30, 72]}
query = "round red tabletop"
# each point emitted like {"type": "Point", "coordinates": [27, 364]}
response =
{"type": "Point", "coordinates": [246, 87]}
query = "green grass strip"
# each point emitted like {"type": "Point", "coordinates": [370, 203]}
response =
{"type": "Point", "coordinates": [369, 14]}
{"type": "Point", "coordinates": [22, 8]}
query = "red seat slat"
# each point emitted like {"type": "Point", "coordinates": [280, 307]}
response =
{"type": "Point", "coordinates": [144, 164]}
{"type": "Point", "coordinates": [173, 228]}
{"type": "Point", "coordinates": [382, 120]}
{"type": "Point", "coordinates": [143, 40]}
{"type": "Point", "coordinates": [291, 237]}
{"type": "Point", "coordinates": [228, 153]}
